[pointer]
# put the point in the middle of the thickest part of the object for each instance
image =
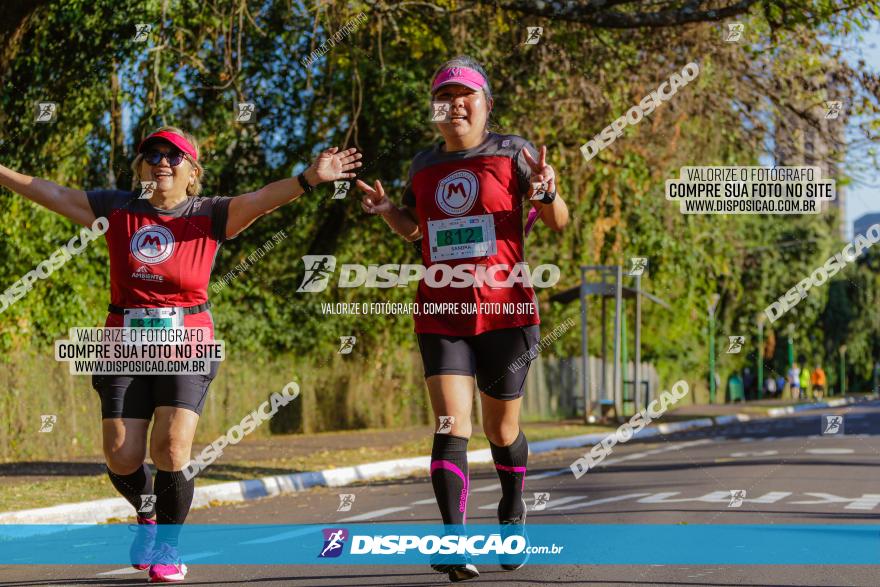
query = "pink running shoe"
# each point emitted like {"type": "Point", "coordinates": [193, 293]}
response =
{"type": "Point", "coordinates": [141, 551]}
{"type": "Point", "coordinates": [166, 567]}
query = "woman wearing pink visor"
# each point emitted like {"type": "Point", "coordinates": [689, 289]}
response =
{"type": "Point", "coordinates": [162, 248]}
{"type": "Point", "coordinates": [465, 199]}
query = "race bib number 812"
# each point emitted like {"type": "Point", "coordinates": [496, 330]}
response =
{"type": "Point", "coordinates": [462, 238]}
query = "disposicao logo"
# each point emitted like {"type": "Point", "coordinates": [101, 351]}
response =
{"type": "Point", "coordinates": [334, 541]}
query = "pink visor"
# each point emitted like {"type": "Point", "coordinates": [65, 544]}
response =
{"type": "Point", "coordinates": [173, 138]}
{"type": "Point", "coordinates": [459, 75]}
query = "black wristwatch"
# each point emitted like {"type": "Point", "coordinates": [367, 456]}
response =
{"type": "Point", "coordinates": [301, 178]}
{"type": "Point", "coordinates": [548, 197]}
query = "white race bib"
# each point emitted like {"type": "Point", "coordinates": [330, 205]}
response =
{"type": "Point", "coordinates": [153, 317]}
{"type": "Point", "coordinates": [462, 238]}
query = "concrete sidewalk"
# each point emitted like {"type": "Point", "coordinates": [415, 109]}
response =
{"type": "Point", "coordinates": [99, 511]}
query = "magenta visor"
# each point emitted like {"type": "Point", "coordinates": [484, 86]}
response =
{"type": "Point", "coordinates": [465, 76]}
{"type": "Point", "coordinates": [170, 137]}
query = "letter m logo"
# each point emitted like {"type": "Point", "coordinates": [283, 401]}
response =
{"type": "Point", "coordinates": [152, 242]}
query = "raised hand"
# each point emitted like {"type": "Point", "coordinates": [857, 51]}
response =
{"type": "Point", "coordinates": [332, 164]}
{"type": "Point", "coordinates": [541, 172]}
{"type": "Point", "coordinates": [374, 200]}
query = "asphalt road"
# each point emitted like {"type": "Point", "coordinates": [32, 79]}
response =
{"type": "Point", "coordinates": [791, 473]}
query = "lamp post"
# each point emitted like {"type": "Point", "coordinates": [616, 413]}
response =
{"type": "Point", "coordinates": [761, 319]}
{"type": "Point", "coordinates": [713, 303]}
{"type": "Point", "coordinates": [843, 370]}
{"type": "Point", "coordinates": [789, 330]}
{"type": "Point", "coordinates": [877, 379]}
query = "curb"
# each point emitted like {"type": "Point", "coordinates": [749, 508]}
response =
{"type": "Point", "coordinates": [101, 510]}
{"type": "Point", "coordinates": [815, 406]}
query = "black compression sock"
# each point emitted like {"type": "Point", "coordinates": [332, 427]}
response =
{"type": "Point", "coordinates": [174, 495]}
{"type": "Point", "coordinates": [449, 476]}
{"type": "Point", "coordinates": [510, 464]}
{"type": "Point", "coordinates": [133, 486]}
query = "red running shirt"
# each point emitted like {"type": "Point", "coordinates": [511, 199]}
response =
{"type": "Point", "coordinates": [461, 197]}
{"type": "Point", "coordinates": [161, 258]}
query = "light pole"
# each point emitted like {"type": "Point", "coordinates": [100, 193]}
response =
{"type": "Point", "coordinates": [761, 319]}
{"type": "Point", "coordinates": [713, 303]}
{"type": "Point", "coordinates": [842, 370]}
{"type": "Point", "coordinates": [877, 379]}
{"type": "Point", "coordinates": [791, 384]}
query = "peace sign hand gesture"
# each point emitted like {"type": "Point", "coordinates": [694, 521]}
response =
{"type": "Point", "coordinates": [541, 172]}
{"type": "Point", "coordinates": [374, 200]}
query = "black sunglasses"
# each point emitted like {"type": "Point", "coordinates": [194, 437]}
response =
{"type": "Point", "coordinates": [174, 157]}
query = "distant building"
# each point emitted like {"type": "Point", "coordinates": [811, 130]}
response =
{"type": "Point", "coordinates": [817, 142]}
{"type": "Point", "coordinates": [864, 222]}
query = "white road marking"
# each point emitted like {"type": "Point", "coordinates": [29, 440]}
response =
{"type": "Point", "coordinates": [755, 453]}
{"type": "Point", "coordinates": [550, 504]}
{"type": "Point", "coordinates": [493, 487]}
{"type": "Point", "coordinates": [547, 474]}
{"type": "Point", "coordinates": [374, 514]}
{"type": "Point", "coordinates": [713, 497]}
{"type": "Point", "coordinates": [669, 448]}
{"type": "Point", "coordinates": [868, 501]}
{"type": "Point", "coordinates": [123, 571]}
{"type": "Point", "coordinates": [279, 537]}
{"type": "Point", "coordinates": [829, 451]}
{"type": "Point", "coordinates": [601, 501]}
{"type": "Point", "coordinates": [424, 501]}
{"type": "Point", "coordinates": [769, 497]}
{"type": "Point", "coordinates": [132, 571]}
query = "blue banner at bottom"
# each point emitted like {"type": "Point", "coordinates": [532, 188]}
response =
{"type": "Point", "coordinates": [382, 544]}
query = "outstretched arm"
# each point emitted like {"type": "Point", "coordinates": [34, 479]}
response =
{"type": "Point", "coordinates": [70, 203]}
{"type": "Point", "coordinates": [401, 220]}
{"type": "Point", "coordinates": [329, 166]}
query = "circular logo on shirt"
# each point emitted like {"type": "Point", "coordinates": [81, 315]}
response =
{"type": "Point", "coordinates": [152, 244]}
{"type": "Point", "coordinates": [457, 192]}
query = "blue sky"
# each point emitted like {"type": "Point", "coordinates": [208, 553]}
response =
{"type": "Point", "coordinates": [863, 197]}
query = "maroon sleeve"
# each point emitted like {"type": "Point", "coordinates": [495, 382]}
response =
{"type": "Point", "coordinates": [103, 202]}
{"type": "Point", "coordinates": [219, 216]}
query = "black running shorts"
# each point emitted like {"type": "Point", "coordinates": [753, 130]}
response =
{"type": "Point", "coordinates": [136, 396]}
{"type": "Point", "coordinates": [499, 358]}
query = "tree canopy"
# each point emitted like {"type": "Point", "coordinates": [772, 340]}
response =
{"type": "Point", "coordinates": [370, 90]}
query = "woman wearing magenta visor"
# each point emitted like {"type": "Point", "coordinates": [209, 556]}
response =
{"type": "Point", "coordinates": [162, 250]}
{"type": "Point", "coordinates": [465, 199]}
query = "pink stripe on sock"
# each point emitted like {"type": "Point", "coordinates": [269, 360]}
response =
{"type": "Point", "coordinates": [450, 466]}
{"type": "Point", "coordinates": [514, 470]}
{"type": "Point", "coordinates": [511, 469]}
{"type": "Point", "coordinates": [467, 482]}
